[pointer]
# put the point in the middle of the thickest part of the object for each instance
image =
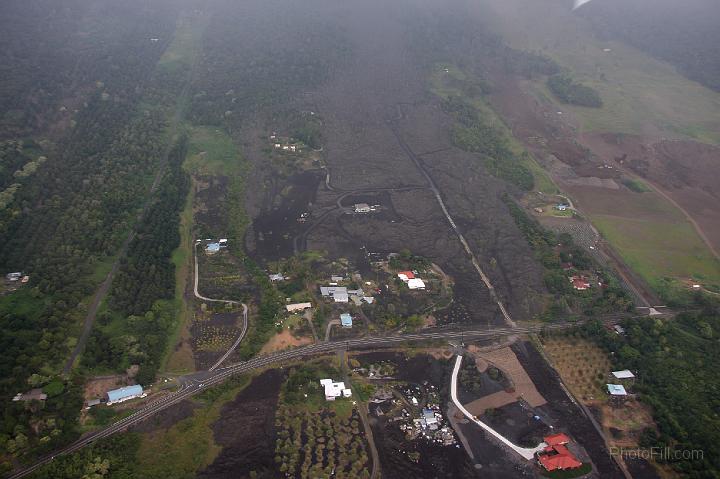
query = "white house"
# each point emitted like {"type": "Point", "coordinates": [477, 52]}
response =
{"type": "Point", "coordinates": [334, 390]}
{"type": "Point", "coordinates": [416, 283]}
{"type": "Point", "coordinates": [338, 293]}
{"type": "Point", "coordinates": [298, 307]}
{"type": "Point", "coordinates": [616, 390]}
{"type": "Point", "coordinates": [624, 374]}
{"type": "Point", "coordinates": [362, 208]}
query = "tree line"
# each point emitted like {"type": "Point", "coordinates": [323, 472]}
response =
{"type": "Point", "coordinates": [476, 135]}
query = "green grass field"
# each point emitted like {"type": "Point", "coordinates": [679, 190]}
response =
{"type": "Point", "coordinates": [181, 360]}
{"type": "Point", "coordinates": [212, 152]}
{"type": "Point", "coordinates": [187, 446]}
{"type": "Point", "coordinates": [641, 95]}
{"type": "Point", "coordinates": [656, 249]}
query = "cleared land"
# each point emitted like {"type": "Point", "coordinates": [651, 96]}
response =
{"type": "Point", "coordinates": [652, 236]}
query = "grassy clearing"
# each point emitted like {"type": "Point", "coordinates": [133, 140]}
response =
{"type": "Point", "coordinates": [185, 44]}
{"type": "Point", "coordinates": [188, 446]}
{"type": "Point", "coordinates": [440, 80]}
{"type": "Point", "coordinates": [180, 359]}
{"type": "Point", "coordinates": [658, 249]}
{"type": "Point", "coordinates": [640, 94]}
{"type": "Point", "coordinates": [212, 152]}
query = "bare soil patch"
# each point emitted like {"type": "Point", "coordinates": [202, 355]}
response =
{"type": "Point", "coordinates": [246, 431]}
{"type": "Point", "coordinates": [687, 171]}
{"type": "Point", "coordinates": [284, 340]}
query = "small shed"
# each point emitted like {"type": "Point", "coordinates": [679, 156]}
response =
{"type": "Point", "coordinates": [625, 374]}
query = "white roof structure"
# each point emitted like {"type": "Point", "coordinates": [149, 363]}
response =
{"type": "Point", "coordinates": [298, 307]}
{"type": "Point", "coordinates": [616, 390]}
{"type": "Point", "coordinates": [624, 374]}
{"type": "Point", "coordinates": [340, 297]}
{"type": "Point", "coordinates": [334, 390]}
{"type": "Point", "coordinates": [332, 290]}
{"type": "Point", "coordinates": [416, 283]}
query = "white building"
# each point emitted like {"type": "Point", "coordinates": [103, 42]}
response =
{"type": "Point", "coordinates": [338, 293]}
{"type": "Point", "coordinates": [416, 283]}
{"type": "Point", "coordinates": [298, 307]}
{"type": "Point", "coordinates": [334, 390]}
{"type": "Point", "coordinates": [362, 208]}
{"type": "Point", "coordinates": [624, 374]}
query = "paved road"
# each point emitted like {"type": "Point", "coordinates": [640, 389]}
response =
{"type": "Point", "coordinates": [226, 301]}
{"type": "Point", "coordinates": [197, 382]}
{"type": "Point", "coordinates": [433, 187]}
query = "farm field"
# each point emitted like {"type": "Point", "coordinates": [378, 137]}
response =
{"type": "Point", "coordinates": [651, 235]}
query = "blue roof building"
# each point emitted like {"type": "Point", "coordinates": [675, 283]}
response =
{"type": "Point", "coordinates": [124, 393]}
{"type": "Point", "coordinates": [212, 248]}
{"type": "Point", "coordinates": [616, 390]}
{"type": "Point", "coordinates": [346, 320]}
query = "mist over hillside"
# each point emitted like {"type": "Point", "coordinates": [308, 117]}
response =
{"type": "Point", "coordinates": [685, 33]}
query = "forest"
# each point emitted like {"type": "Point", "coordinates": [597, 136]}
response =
{"type": "Point", "coordinates": [570, 91]}
{"type": "Point", "coordinates": [675, 361]}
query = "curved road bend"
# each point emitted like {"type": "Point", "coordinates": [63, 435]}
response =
{"type": "Point", "coordinates": [460, 236]}
{"type": "Point", "coordinates": [197, 382]}
{"type": "Point", "coordinates": [525, 452]}
{"type": "Point", "coordinates": [226, 301]}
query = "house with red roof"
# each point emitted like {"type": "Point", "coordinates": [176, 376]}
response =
{"type": "Point", "coordinates": [556, 456]}
{"type": "Point", "coordinates": [580, 283]}
{"type": "Point", "coordinates": [555, 439]}
{"type": "Point", "coordinates": [406, 275]}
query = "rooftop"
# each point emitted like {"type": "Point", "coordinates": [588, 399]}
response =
{"type": "Point", "coordinates": [124, 392]}
{"type": "Point", "coordinates": [555, 439]}
{"type": "Point", "coordinates": [616, 390]}
{"type": "Point", "coordinates": [624, 374]}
